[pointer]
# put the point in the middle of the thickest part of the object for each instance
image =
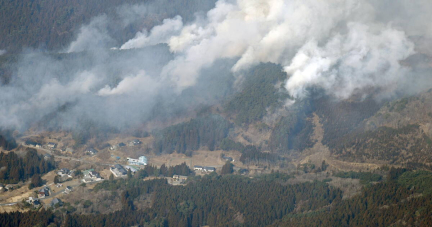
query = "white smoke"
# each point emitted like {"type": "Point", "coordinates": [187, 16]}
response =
{"type": "Point", "coordinates": [341, 46]}
{"type": "Point", "coordinates": [141, 84]}
{"type": "Point", "coordinates": [92, 36]}
{"type": "Point", "coordinates": [346, 63]}
{"type": "Point", "coordinates": [338, 45]}
{"type": "Point", "coordinates": [2, 52]}
{"type": "Point", "coordinates": [159, 34]}
{"type": "Point", "coordinates": [255, 31]}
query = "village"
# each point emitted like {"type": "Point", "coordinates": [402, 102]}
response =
{"type": "Point", "coordinates": [72, 172]}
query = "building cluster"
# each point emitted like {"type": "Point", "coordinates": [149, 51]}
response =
{"type": "Point", "coordinates": [131, 143]}
{"type": "Point", "coordinates": [44, 192]}
{"type": "Point", "coordinates": [91, 176]}
{"type": "Point", "coordinates": [141, 161]}
{"type": "Point", "coordinates": [205, 168]}
{"type": "Point", "coordinates": [134, 142]}
{"type": "Point", "coordinates": [7, 187]}
{"type": "Point", "coordinates": [64, 172]}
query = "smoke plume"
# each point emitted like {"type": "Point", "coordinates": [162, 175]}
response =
{"type": "Point", "coordinates": [340, 46]}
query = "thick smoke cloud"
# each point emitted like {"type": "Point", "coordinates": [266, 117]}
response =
{"type": "Point", "coordinates": [340, 46]}
{"type": "Point", "coordinates": [346, 63]}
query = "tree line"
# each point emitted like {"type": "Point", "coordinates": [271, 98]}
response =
{"type": "Point", "coordinates": [14, 168]}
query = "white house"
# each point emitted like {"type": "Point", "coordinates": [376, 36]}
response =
{"type": "Point", "coordinates": [65, 172]}
{"type": "Point", "coordinates": [68, 189]}
{"type": "Point", "coordinates": [91, 151]}
{"type": "Point", "coordinates": [209, 169]}
{"type": "Point", "coordinates": [32, 144]}
{"type": "Point", "coordinates": [204, 168]}
{"type": "Point", "coordinates": [51, 145]}
{"type": "Point", "coordinates": [141, 161]}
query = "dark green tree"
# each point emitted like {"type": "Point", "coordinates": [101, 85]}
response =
{"type": "Point", "coordinates": [227, 168]}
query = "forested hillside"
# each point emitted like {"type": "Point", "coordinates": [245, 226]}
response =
{"type": "Point", "coordinates": [186, 137]}
{"type": "Point", "coordinates": [404, 197]}
{"type": "Point", "coordinates": [258, 94]}
{"type": "Point", "coordinates": [14, 168]}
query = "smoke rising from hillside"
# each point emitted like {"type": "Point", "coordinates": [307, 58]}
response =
{"type": "Point", "coordinates": [340, 46]}
{"type": "Point", "coordinates": [337, 45]}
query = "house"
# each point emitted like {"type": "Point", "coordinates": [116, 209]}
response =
{"type": "Point", "coordinates": [177, 180]}
{"type": "Point", "coordinates": [113, 147]}
{"type": "Point", "coordinates": [34, 201]}
{"type": "Point", "coordinates": [43, 192]}
{"type": "Point", "coordinates": [2, 187]}
{"type": "Point", "coordinates": [91, 151]}
{"type": "Point", "coordinates": [56, 202]}
{"type": "Point", "coordinates": [243, 171]}
{"type": "Point", "coordinates": [86, 172]}
{"type": "Point", "coordinates": [9, 187]}
{"type": "Point", "coordinates": [31, 200]}
{"type": "Point", "coordinates": [180, 178]}
{"type": "Point", "coordinates": [209, 169]}
{"type": "Point", "coordinates": [226, 158]}
{"type": "Point", "coordinates": [134, 142]}
{"type": "Point", "coordinates": [68, 189]}
{"type": "Point", "coordinates": [51, 145]}
{"type": "Point", "coordinates": [141, 161]}
{"type": "Point", "coordinates": [132, 169]}
{"type": "Point", "coordinates": [32, 144]}
{"type": "Point", "coordinates": [118, 170]}
{"type": "Point", "coordinates": [91, 175]}
{"type": "Point", "coordinates": [204, 168]}
{"type": "Point", "coordinates": [95, 175]}
{"type": "Point", "coordinates": [65, 172]}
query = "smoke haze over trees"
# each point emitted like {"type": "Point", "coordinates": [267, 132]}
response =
{"type": "Point", "coordinates": [340, 47]}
